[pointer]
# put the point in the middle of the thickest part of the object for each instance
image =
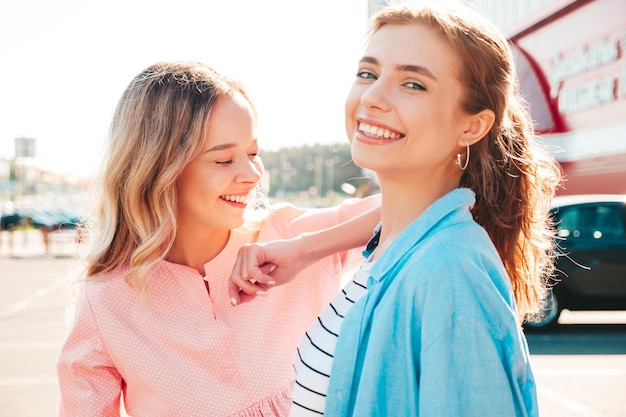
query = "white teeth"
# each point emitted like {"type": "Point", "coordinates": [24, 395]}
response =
{"type": "Point", "coordinates": [375, 131]}
{"type": "Point", "coordinates": [235, 198]}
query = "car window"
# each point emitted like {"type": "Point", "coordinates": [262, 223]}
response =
{"type": "Point", "coordinates": [609, 222]}
{"type": "Point", "coordinates": [591, 222]}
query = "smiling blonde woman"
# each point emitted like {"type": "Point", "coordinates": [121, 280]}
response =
{"type": "Point", "coordinates": [153, 320]}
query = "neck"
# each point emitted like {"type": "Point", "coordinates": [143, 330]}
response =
{"type": "Point", "coordinates": [196, 248]}
{"type": "Point", "coordinates": [401, 205]}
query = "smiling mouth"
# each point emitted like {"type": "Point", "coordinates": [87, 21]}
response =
{"type": "Point", "coordinates": [378, 132]}
{"type": "Point", "coordinates": [235, 198]}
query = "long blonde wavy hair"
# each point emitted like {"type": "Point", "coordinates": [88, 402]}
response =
{"type": "Point", "coordinates": [157, 129]}
{"type": "Point", "coordinates": [513, 176]}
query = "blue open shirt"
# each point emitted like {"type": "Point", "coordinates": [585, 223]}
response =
{"type": "Point", "coordinates": [438, 333]}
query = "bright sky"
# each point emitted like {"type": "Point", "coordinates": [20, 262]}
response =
{"type": "Point", "coordinates": [65, 63]}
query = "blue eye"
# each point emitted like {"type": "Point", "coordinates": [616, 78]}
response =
{"type": "Point", "coordinates": [366, 74]}
{"type": "Point", "coordinates": [415, 86]}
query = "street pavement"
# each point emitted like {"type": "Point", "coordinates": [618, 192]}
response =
{"type": "Point", "coordinates": [33, 301]}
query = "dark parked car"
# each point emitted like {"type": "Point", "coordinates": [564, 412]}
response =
{"type": "Point", "coordinates": [591, 264]}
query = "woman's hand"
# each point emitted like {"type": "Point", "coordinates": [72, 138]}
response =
{"type": "Point", "coordinates": [260, 266]}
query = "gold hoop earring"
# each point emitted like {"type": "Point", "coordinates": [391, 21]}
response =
{"type": "Point", "coordinates": [458, 157]}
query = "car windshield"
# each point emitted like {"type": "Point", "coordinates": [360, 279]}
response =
{"type": "Point", "coordinates": [591, 222]}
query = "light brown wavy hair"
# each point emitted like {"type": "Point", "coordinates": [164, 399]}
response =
{"type": "Point", "coordinates": [157, 129]}
{"type": "Point", "coordinates": [513, 176]}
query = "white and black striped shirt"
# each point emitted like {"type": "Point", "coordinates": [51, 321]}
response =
{"type": "Point", "coordinates": [314, 357]}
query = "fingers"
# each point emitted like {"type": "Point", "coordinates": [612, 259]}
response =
{"type": "Point", "coordinates": [233, 293]}
{"type": "Point", "coordinates": [250, 276]}
{"type": "Point", "coordinates": [260, 274]}
{"type": "Point", "coordinates": [236, 279]}
{"type": "Point", "coordinates": [256, 282]}
{"type": "Point", "coordinates": [267, 269]}
{"type": "Point", "coordinates": [247, 292]}
{"type": "Point", "coordinates": [237, 285]}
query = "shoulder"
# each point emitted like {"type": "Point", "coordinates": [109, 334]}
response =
{"type": "Point", "coordinates": [458, 264]}
{"type": "Point", "coordinates": [104, 281]}
{"type": "Point", "coordinates": [287, 220]}
{"type": "Point", "coordinates": [105, 289]}
{"type": "Point", "coordinates": [447, 247]}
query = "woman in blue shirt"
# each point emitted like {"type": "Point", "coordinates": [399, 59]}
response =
{"type": "Point", "coordinates": [465, 243]}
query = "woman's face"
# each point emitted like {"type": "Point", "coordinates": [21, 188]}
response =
{"type": "Point", "coordinates": [403, 113]}
{"type": "Point", "coordinates": [214, 188]}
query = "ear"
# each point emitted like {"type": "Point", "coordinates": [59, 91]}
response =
{"type": "Point", "coordinates": [479, 125]}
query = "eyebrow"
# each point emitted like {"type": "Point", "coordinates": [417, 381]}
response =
{"type": "Point", "coordinates": [225, 146]}
{"type": "Point", "coordinates": [418, 69]}
{"type": "Point", "coordinates": [222, 147]}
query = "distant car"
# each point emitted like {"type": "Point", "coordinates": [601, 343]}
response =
{"type": "Point", "coordinates": [591, 264]}
{"type": "Point", "coordinates": [8, 222]}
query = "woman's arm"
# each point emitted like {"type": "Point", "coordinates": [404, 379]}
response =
{"type": "Point", "coordinates": [261, 265]}
{"type": "Point", "coordinates": [89, 383]}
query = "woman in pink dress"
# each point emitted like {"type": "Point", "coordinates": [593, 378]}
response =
{"type": "Point", "coordinates": [154, 323]}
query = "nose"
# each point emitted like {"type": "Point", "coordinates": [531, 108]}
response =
{"type": "Point", "coordinates": [251, 171]}
{"type": "Point", "coordinates": [375, 96]}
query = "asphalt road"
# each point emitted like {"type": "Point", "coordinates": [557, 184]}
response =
{"type": "Point", "coordinates": [33, 302]}
{"type": "Point", "coordinates": [580, 367]}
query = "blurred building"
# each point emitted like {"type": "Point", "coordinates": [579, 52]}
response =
{"type": "Point", "coordinates": [571, 62]}
{"type": "Point", "coordinates": [24, 186]}
{"type": "Point", "coordinates": [572, 70]}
